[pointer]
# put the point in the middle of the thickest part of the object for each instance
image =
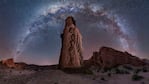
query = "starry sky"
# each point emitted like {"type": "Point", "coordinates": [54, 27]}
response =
{"type": "Point", "coordinates": [30, 29]}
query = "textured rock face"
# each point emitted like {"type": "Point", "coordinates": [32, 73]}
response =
{"type": "Point", "coordinates": [108, 57]}
{"type": "Point", "coordinates": [9, 63]}
{"type": "Point", "coordinates": [71, 51]}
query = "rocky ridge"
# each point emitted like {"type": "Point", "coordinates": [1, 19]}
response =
{"type": "Point", "coordinates": [108, 57]}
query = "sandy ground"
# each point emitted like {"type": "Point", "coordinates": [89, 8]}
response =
{"type": "Point", "coordinates": [11, 76]}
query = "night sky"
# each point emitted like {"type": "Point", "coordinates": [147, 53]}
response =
{"type": "Point", "coordinates": [30, 29]}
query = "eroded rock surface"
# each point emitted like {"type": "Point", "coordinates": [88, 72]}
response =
{"type": "Point", "coordinates": [109, 57]}
{"type": "Point", "coordinates": [71, 51]}
{"type": "Point", "coordinates": [9, 63]}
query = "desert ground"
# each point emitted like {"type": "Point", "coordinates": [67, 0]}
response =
{"type": "Point", "coordinates": [52, 75]}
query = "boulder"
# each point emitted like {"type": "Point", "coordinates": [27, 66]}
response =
{"type": "Point", "coordinates": [71, 51]}
{"type": "Point", "coordinates": [109, 57]}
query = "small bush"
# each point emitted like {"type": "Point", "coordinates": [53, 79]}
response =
{"type": "Point", "coordinates": [107, 69]}
{"type": "Point", "coordinates": [109, 74]}
{"type": "Point", "coordinates": [10, 71]}
{"type": "Point", "coordinates": [121, 71]}
{"type": "Point", "coordinates": [137, 71]}
{"type": "Point", "coordinates": [136, 77]}
{"type": "Point", "coordinates": [102, 78]}
{"type": "Point", "coordinates": [104, 70]}
{"type": "Point", "coordinates": [87, 71]}
{"type": "Point", "coordinates": [144, 69]}
{"type": "Point", "coordinates": [78, 70]}
{"type": "Point", "coordinates": [128, 67]}
{"type": "Point", "coordinates": [55, 83]}
{"type": "Point", "coordinates": [94, 78]}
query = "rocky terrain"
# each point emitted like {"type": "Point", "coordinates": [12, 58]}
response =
{"type": "Point", "coordinates": [33, 74]}
{"type": "Point", "coordinates": [92, 72]}
{"type": "Point", "coordinates": [108, 57]}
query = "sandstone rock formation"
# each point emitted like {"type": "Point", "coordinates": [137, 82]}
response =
{"type": "Point", "coordinates": [108, 58]}
{"type": "Point", "coordinates": [9, 63]}
{"type": "Point", "coordinates": [71, 51]}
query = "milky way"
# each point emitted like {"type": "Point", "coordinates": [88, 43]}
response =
{"type": "Point", "coordinates": [93, 15]}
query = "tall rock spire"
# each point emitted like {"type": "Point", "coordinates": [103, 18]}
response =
{"type": "Point", "coordinates": [71, 51]}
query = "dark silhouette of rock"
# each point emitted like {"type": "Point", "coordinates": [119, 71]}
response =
{"type": "Point", "coordinates": [20, 65]}
{"type": "Point", "coordinates": [108, 58]}
{"type": "Point", "coordinates": [71, 51]}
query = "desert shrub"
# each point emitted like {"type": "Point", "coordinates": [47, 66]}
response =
{"type": "Point", "coordinates": [78, 70]}
{"type": "Point", "coordinates": [107, 69]}
{"type": "Point", "coordinates": [121, 71]}
{"type": "Point", "coordinates": [94, 78]}
{"type": "Point", "coordinates": [109, 74]}
{"type": "Point", "coordinates": [55, 83]}
{"type": "Point", "coordinates": [98, 70]}
{"type": "Point", "coordinates": [104, 70]}
{"type": "Point", "coordinates": [102, 78]}
{"type": "Point", "coordinates": [136, 77]}
{"type": "Point", "coordinates": [128, 67]}
{"type": "Point", "coordinates": [10, 70]}
{"type": "Point", "coordinates": [144, 69]}
{"type": "Point", "coordinates": [88, 71]}
{"type": "Point", "coordinates": [20, 72]}
{"type": "Point", "coordinates": [137, 71]}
